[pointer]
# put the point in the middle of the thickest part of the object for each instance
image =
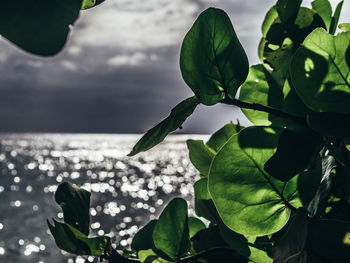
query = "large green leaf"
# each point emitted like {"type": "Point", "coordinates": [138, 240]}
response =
{"type": "Point", "coordinates": [324, 9]}
{"type": "Point", "coordinates": [250, 201]}
{"type": "Point", "coordinates": [281, 39]}
{"type": "Point", "coordinates": [213, 61]}
{"type": "Point", "coordinates": [143, 240]}
{"type": "Point", "coordinates": [320, 73]}
{"type": "Point", "coordinates": [200, 155]}
{"type": "Point", "coordinates": [171, 234]}
{"type": "Point", "coordinates": [158, 133]}
{"type": "Point", "coordinates": [260, 87]}
{"type": "Point", "coordinates": [296, 152]}
{"type": "Point", "coordinates": [75, 203]}
{"type": "Point", "coordinates": [73, 241]}
{"type": "Point", "coordinates": [38, 26]}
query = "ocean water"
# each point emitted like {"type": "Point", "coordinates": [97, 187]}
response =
{"type": "Point", "coordinates": [126, 191]}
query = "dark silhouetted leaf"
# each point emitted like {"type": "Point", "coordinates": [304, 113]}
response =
{"type": "Point", "coordinates": [335, 18]}
{"type": "Point", "coordinates": [75, 203]}
{"type": "Point", "coordinates": [212, 60]}
{"type": "Point", "coordinates": [296, 152]}
{"type": "Point", "coordinates": [287, 10]}
{"type": "Point", "coordinates": [330, 124]}
{"type": "Point", "coordinates": [158, 133]}
{"type": "Point", "coordinates": [171, 234]}
{"type": "Point", "coordinates": [38, 26]}
{"type": "Point", "coordinates": [250, 201]}
{"type": "Point", "coordinates": [143, 239]}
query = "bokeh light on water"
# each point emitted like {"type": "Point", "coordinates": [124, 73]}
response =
{"type": "Point", "coordinates": [126, 191]}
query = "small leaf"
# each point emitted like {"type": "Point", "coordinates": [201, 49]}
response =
{"type": "Point", "coordinates": [143, 240]}
{"type": "Point", "coordinates": [213, 61]}
{"type": "Point", "coordinates": [73, 241]}
{"type": "Point", "coordinates": [195, 225]}
{"type": "Point", "coordinates": [220, 137]}
{"type": "Point", "coordinates": [287, 10]}
{"type": "Point", "coordinates": [296, 152]}
{"type": "Point", "coordinates": [335, 18]}
{"type": "Point", "coordinates": [171, 234]}
{"type": "Point", "coordinates": [320, 74]}
{"type": "Point", "coordinates": [200, 155]}
{"type": "Point", "coordinates": [149, 256]}
{"type": "Point", "coordinates": [75, 203]}
{"type": "Point", "coordinates": [250, 201]}
{"type": "Point", "coordinates": [38, 26]}
{"type": "Point", "coordinates": [291, 247]}
{"type": "Point", "coordinates": [324, 9]}
{"type": "Point", "coordinates": [88, 4]}
{"type": "Point", "coordinates": [330, 124]}
{"type": "Point", "coordinates": [344, 26]}
{"type": "Point", "coordinates": [260, 87]}
{"type": "Point", "coordinates": [158, 133]}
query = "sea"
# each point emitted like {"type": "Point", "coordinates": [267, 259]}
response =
{"type": "Point", "coordinates": [126, 192]}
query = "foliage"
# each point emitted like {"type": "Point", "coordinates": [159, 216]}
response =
{"type": "Point", "coordinates": [277, 191]}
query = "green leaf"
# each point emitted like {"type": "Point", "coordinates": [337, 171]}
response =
{"type": "Point", "coordinates": [320, 74]}
{"type": "Point", "coordinates": [335, 18]}
{"type": "Point", "coordinates": [330, 124]}
{"type": "Point", "coordinates": [75, 203]}
{"type": "Point", "coordinates": [149, 256]}
{"type": "Point", "coordinates": [250, 201]}
{"type": "Point", "coordinates": [73, 241]}
{"type": "Point", "coordinates": [200, 155]}
{"type": "Point", "coordinates": [344, 26]}
{"type": "Point", "coordinates": [171, 234]}
{"type": "Point", "coordinates": [203, 204]}
{"type": "Point", "coordinates": [260, 87]}
{"type": "Point", "coordinates": [324, 9]}
{"type": "Point", "coordinates": [195, 225]}
{"type": "Point", "coordinates": [291, 247]}
{"type": "Point", "coordinates": [90, 3]}
{"type": "Point", "coordinates": [143, 239]}
{"type": "Point", "coordinates": [38, 26]}
{"type": "Point", "coordinates": [220, 137]}
{"type": "Point", "coordinates": [282, 39]}
{"type": "Point", "coordinates": [158, 133]}
{"type": "Point", "coordinates": [213, 61]}
{"type": "Point", "coordinates": [287, 10]}
{"type": "Point", "coordinates": [296, 152]}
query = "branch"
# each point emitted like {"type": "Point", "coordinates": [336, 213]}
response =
{"type": "Point", "coordinates": [259, 107]}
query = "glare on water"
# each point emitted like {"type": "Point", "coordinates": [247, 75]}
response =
{"type": "Point", "coordinates": [126, 191]}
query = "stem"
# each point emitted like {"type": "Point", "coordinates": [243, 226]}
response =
{"type": "Point", "coordinates": [259, 107]}
{"type": "Point", "coordinates": [115, 257]}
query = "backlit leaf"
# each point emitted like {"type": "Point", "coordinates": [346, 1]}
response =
{"type": "Point", "coordinates": [200, 155]}
{"type": "Point", "coordinates": [195, 225]}
{"type": "Point", "coordinates": [149, 256]}
{"type": "Point", "coordinates": [344, 26]}
{"type": "Point", "coordinates": [324, 9]}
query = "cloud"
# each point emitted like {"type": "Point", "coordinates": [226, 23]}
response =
{"type": "Point", "coordinates": [135, 59]}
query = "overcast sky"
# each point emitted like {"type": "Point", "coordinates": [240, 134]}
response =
{"type": "Point", "coordinates": [119, 72]}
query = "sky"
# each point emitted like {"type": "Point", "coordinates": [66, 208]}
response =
{"type": "Point", "coordinates": [119, 71]}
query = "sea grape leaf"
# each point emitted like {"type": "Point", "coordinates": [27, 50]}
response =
{"type": "Point", "coordinates": [90, 3]}
{"type": "Point", "coordinates": [171, 234]}
{"type": "Point", "coordinates": [149, 256]}
{"type": "Point", "coordinates": [344, 26]}
{"type": "Point", "coordinates": [260, 87]}
{"type": "Point", "coordinates": [75, 203]}
{"type": "Point", "coordinates": [320, 74]}
{"type": "Point", "coordinates": [73, 241]}
{"type": "Point", "coordinates": [195, 225]}
{"type": "Point", "coordinates": [335, 18]}
{"type": "Point", "coordinates": [220, 137]}
{"type": "Point", "coordinates": [330, 124]}
{"type": "Point", "coordinates": [38, 26]}
{"type": "Point", "coordinates": [325, 187]}
{"type": "Point", "coordinates": [200, 155]}
{"type": "Point", "coordinates": [250, 201]}
{"type": "Point", "coordinates": [291, 247]}
{"type": "Point", "coordinates": [282, 39]}
{"type": "Point", "coordinates": [296, 152]}
{"type": "Point", "coordinates": [287, 10]}
{"type": "Point", "coordinates": [213, 62]}
{"type": "Point", "coordinates": [158, 133]}
{"type": "Point", "coordinates": [143, 240]}
{"type": "Point", "coordinates": [324, 10]}
{"type": "Point", "coordinates": [203, 204]}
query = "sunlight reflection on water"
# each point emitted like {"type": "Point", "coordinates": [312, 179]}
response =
{"type": "Point", "coordinates": [126, 191]}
